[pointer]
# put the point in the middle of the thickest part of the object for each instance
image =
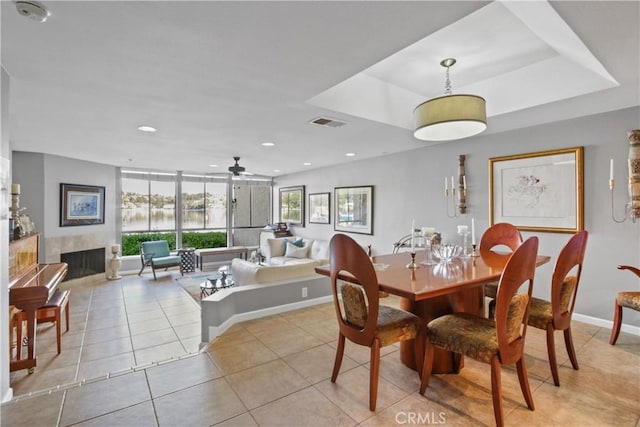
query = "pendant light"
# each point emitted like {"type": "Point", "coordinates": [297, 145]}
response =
{"type": "Point", "coordinates": [450, 117]}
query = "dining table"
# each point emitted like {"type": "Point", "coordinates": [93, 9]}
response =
{"type": "Point", "coordinates": [431, 291]}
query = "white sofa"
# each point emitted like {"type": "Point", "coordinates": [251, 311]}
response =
{"type": "Point", "coordinates": [284, 261]}
{"type": "Point", "coordinates": [282, 283]}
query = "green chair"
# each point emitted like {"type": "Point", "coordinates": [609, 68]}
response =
{"type": "Point", "coordinates": [155, 254]}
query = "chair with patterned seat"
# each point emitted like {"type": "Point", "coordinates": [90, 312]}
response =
{"type": "Point", "coordinates": [555, 315]}
{"type": "Point", "coordinates": [629, 299]}
{"type": "Point", "coordinates": [496, 343]}
{"type": "Point", "coordinates": [361, 318]}
{"type": "Point", "coordinates": [502, 235]}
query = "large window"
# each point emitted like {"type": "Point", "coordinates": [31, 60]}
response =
{"type": "Point", "coordinates": [192, 210]}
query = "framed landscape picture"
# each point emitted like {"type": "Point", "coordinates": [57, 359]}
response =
{"type": "Point", "coordinates": [541, 191]}
{"type": "Point", "coordinates": [81, 205]}
{"type": "Point", "coordinates": [319, 208]}
{"type": "Point", "coordinates": [292, 205]}
{"type": "Point", "coordinates": [354, 209]}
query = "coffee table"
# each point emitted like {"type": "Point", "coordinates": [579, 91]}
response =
{"type": "Point", "coordinates": [221, 279]}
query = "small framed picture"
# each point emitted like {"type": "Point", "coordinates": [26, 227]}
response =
{"type": "Point", "coordinates": [81, 205]}
{"type": "Point", "coordinates": [319, 208]}
{"type": "Point", "coordinates": [354, 209]}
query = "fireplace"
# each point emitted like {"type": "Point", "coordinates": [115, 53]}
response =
{"type": "Point", "coordinates": [84, 263]}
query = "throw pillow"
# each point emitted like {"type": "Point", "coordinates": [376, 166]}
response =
{"type": "Point", "coordinates": [299, 243]}
{"type": "Point", "coordinates": [276, 247]}
{"type": "Point", "coordinates": [293, 251]}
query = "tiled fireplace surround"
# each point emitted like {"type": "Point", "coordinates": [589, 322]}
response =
{"type": "Point", "coordinates": [54, 246]}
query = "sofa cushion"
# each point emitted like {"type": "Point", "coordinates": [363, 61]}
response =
{"type": "Point", "coordinates": [299, 243]}
{"type": "Point", "coordinates": [276, 247]}
{"type": "Point", "coordinates": [248, 273]}
{"type": "Point", "coordinates": [320, 251]}
{"type": "Point", "coordinates": [293, 251]}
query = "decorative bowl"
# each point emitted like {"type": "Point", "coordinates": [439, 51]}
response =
{"type": "Point", "coordinates": [446, 253]}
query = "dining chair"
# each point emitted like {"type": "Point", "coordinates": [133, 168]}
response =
{"type": "Point", "coordinates": [361, 319]}
{"type": "Point", "coordinates": [629, 299]}
{"type": "Point", "coordinates": [555, 315]}
{"type": "Point", "coordinates": [496, 343]}
{"type": "Point", "coordinates": [502, 235]}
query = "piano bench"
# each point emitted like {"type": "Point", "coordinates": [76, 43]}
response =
{"type": "Point", "coordinates": [50, 312]}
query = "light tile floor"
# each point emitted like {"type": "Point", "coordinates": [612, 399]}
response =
{"type": "Point", "coordinates": [275, 371]}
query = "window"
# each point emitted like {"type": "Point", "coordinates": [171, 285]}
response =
{"type": "Point", "coordinates": [149, 209]}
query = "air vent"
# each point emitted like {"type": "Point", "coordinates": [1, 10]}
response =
{"type": "Point", "coordinates": [325, 121]}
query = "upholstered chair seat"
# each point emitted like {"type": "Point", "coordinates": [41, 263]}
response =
{"type": "Point", "coordinates": [628, 299]}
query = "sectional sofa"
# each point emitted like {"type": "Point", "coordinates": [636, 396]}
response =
{"type": "Point", "coordinates": [285, 281]}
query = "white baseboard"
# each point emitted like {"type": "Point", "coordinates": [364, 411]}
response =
{"type": "Point", "coordinates": [629, 329]}
{"type": "Point", "coordinates": [8, 396]}
{"type": "Point", "coordinates": [215, 331]}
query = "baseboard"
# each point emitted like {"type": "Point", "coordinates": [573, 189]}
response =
{"type": "Point", "coordinates": [215, 331]}
{"type": "Point", "coordinates": [629, 329]}
{"type": "Point", "coordinates": [8, 396]}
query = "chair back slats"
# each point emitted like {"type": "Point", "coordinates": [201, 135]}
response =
{"type": "Point", "coordinates": [566, 277]}
{"type": "Point", "coordinates": [347, 256]}
{"type": "Point", "coordinates": [520, 269]}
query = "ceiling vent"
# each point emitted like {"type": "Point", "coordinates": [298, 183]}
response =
{"type": "Point", "coordinates": [327, 122]}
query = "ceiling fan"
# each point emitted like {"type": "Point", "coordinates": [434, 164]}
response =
{"type": "Point", "coordinates": [236, 169]}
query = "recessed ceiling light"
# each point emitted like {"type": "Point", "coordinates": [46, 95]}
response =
{"type": "Point", "coordinates": [349, 154]}
{"type": "Point", "coordinates": [213, 166]}
{"type": "Point", "coordinates": [268, 144]}
{"type": "Point", "coordinates": [145, 128]}
{"type": "Point", "coordinates": [307, 164]}
{"type": "Point", "coordinates": [276, 170]}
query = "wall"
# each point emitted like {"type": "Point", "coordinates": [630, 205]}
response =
{"type": "Point", "coordinates": [5, 166]}
{"type": "Point", "coordinates": [409, 186]}
{"type": "Point", "coordinates": [41, 195]}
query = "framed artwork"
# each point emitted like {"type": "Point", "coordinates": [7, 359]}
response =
{"type": "Point", "coordinates": [81, 205]}
{"type": "Point", "coordinates": [319, 208]}
{"type": "Point", "coordinates": [354, 209]}
{"type": "Point", "coordinates": [541, 191]}
{"type": "Point", "coordinates": [292, 205]}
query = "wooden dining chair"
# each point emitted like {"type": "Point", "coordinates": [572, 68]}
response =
{"type": "Point", "coordinates": [497, 343]}
{"type": "Point", "coordinates": [502, 236]}
{"type": "Point", "coordinates": [361, 318]}
{"type": "Point", "coordinates": [629, 299]}
{"type": "Point", "coordinates": [555, 315]}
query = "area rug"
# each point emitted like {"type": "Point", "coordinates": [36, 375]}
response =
{"type": "Point", "coordinates": [191, 284]}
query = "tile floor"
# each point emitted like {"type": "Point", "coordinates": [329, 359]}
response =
{"type": "Point", "coordinates": [275, 372]}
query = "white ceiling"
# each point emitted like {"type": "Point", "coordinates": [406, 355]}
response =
{"type": "Point", "coordinates": [219, 78]}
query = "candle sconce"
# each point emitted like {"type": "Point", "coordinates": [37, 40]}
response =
{"type": "Point", "coordinates": [632, 207]}
{"type": "Point", "coordinates": [458, 194]}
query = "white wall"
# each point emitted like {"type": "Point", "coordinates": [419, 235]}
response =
{"type": "Point", "coordinates": [5, 156]}
{"type": "Point", "coordinates": [410, 186]}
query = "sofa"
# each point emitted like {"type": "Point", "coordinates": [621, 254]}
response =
{"type": "Point", "coordinates": [285, 281]}
{"type": "Point", "coordinates": [285, 258]}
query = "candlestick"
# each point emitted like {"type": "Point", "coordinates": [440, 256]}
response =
{"type": "Point", "coordinates": [446, 186]}
{"type": "Point", "coordinates": [473, 231]}
{"type": "Point", "coordinates": [412, 265]}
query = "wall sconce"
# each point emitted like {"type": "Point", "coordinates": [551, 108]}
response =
{"type": "Point", "coordinates": [632, 207]}
{"type": "Point", "coordinates": [458, 192]}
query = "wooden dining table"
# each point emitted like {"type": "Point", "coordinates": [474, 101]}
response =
{"type": "Point", "coordinates": [431, 291]}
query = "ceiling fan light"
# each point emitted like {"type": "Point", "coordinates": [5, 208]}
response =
{"type": "Point", "coordinates": [450, 117]}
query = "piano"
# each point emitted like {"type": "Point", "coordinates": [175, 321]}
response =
{"type": "Point", "coordinates": [30, 286]}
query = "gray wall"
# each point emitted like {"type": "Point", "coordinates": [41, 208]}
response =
{"type": "Point", "coordinates": [410, 186]}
